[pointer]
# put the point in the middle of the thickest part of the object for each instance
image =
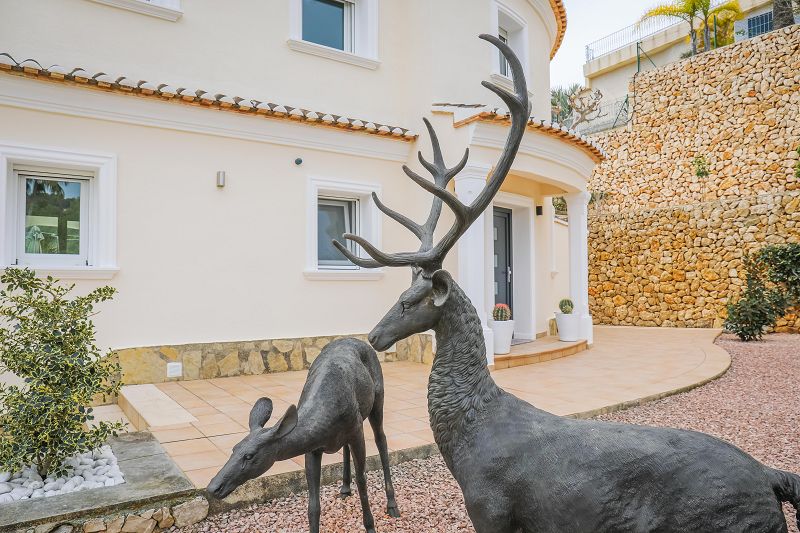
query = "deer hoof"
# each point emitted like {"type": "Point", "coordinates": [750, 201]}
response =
{"type": "Point", "coordinates": [345, 492]}
{"type": "Point", "coordinates": [393, 512]}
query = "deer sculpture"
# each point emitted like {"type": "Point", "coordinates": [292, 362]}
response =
{"type": "Point", "coordinates": [344, 387]}
{"type": "Point", "coordinates": [522, 469]}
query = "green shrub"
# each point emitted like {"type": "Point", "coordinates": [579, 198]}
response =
{"type": "Point", "coordinates": [566, 306]}
{"type": "Point", "coordinates": [772, 287]}
{"type": "Point", "coordinates": [797, 165]}
{"type": "Point", "coordinates": [47, 339]}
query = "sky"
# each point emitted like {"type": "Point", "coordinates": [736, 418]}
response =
{"type": "Point", "coordinates": [587, 21]}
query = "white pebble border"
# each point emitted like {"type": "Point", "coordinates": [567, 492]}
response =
{"type": "Point", "coordinates": [92, 470]}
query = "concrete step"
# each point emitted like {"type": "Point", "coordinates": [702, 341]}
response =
{"type": "Point", "coordinates": [538, 351]}
{"type": "Point", "coordinates": [148, 408]}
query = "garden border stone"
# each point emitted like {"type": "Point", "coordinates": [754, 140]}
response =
{"type": "Point", "coordinates": [152, 479]}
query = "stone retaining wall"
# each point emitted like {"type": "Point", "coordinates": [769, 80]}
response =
{"type": "Point", "coordinates": [225, 359]}
{"type": "Point", "coordinates": [738, 106]}
{"type": "Point", "coordinates": [680, 266]}
{"type": "Point", "coordinates": [666, 247]}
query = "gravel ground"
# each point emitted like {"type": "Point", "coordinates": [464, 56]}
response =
{"type": "Point", "coordinates": [755, 406]}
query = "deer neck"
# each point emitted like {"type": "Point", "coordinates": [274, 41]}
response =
{"type": "Point", "coordinates": [306, 437]}
{"type": "Point", "coordinates": [460, 386]}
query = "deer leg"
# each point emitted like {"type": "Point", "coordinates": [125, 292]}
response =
{"type": "Point", "coordinates": [359, 450]}
{"type": "Point", "coordinates": [345, 489]}
{"type": "Point", "coordinates": [313, 470]}
{"type": "Point", "coordinates": [376, 421]}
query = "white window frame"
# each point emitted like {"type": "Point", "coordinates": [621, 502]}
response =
{"type": "Point", "coordinates": [100, 171]}
{"type": "Point", "coordinates": [516, 28]}
{"type": "Point", "coordinates": [353, 216]}
{"type": "Point", "coordinates": [163, 9]}
{"type": "Point", "coordinates": [20, 175]}
{"type": "Point", "coordinates": [361, 45]}
{"type": "Point", "coordinates": [368, 226]}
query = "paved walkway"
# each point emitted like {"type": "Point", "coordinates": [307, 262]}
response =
{"type": "Point", "coordinates": [625, 365]}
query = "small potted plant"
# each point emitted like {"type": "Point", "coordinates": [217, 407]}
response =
{"type": "Point", "coordinates": [503, 328]}
{"type": "Point", "coordinates": [567, 322]}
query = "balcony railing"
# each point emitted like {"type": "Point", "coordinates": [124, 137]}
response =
{"type": "Point", "coordinates": [610, 115]}
{"type": "Point", "coordinates": [633, 34]}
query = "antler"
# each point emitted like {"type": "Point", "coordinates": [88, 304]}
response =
{"type": "Point", "coordinates": [430, 257]}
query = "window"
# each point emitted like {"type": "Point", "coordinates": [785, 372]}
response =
{"type": "Point", "coordinates": [335, 217]}
{"type": "Point", "coordinates": [512, 29]}
{"type": "Point", "coordinates": [329, 23]}
{"type": "Point", "coordinates": [759, 24]}
{"type": "Point", "coordinates": [53, 218]}
{"type": "Point", "coordinates": [336, 207]}
{"type": "Point", "coordinates": [342, 30]}
{"type": "Point", "coordinates": [58, 211]}
{"type": "Point", "coordinates": [505, 68]}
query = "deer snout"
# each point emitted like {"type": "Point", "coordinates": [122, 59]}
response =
{"type": "Point", "coordinates": [217, 489]}
{"type": "Point", "coordinates": [378, 341]}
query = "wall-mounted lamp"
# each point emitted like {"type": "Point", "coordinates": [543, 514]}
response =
{"type": "Point", "coordinates": [221, 178]}
{"type": "Point", "coordinates": [539, 211]}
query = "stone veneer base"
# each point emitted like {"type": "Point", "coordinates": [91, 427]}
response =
{"type": "Point", "coordinates": [227, 359]}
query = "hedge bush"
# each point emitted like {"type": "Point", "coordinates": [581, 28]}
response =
{"type": "Point", "coordinates": [772, 287]}
{"type": "Point", "coordinates": [48, 340]}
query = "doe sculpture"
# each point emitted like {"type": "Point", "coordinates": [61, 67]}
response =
{"type": "Point", "coordinates": [344, 387]}
{"type": "Point", "coordinates": [522, 469]}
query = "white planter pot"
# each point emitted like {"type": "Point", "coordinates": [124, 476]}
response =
{"type": "Point", "coordinates": [503, 332]}
{"type": "Point", "coordinates": [568, 327]}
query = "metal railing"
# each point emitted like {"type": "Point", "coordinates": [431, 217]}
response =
{"type": "Point", "coordinates": [633, 34]}
{"type": "Point", "coordinates": [611, 115]}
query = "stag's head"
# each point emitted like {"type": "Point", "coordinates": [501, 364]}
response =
{"type": "Point", "coordinates": [257, 452]}
{"type": "Point", "coordinates": [421, 306]}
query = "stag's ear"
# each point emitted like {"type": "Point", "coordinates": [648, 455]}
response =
{"type": "Point", "coordinates": [260, 413]}
{"type": "Point", "coordinates": [286, 424]}
{"type": "Point", "coordinates": [442, 282]}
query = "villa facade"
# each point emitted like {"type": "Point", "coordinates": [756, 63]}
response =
{"type": "Point", "coordinates": [200, 160]}
{"type": "Point", "coordinates": [612, 62]}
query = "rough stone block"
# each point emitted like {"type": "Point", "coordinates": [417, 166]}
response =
{"type": "Point", "coordinates": [190, 512]}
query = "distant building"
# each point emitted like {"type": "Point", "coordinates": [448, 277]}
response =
{"type": "Point", "coordinates": [612, 61]}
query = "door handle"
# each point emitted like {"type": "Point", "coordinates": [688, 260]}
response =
{"type": "Point", "coordinates": [508, 276]}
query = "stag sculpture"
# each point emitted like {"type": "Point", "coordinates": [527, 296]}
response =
{"type": "Point", "coordinates": [521, 468]}
{"type": "Point", "coordinates": [344, 387]}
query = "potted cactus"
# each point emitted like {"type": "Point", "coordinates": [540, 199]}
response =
{"type": "Point", "coordinates": [567, 322]}
{"type": "Point", "coordinates": [503, 328]}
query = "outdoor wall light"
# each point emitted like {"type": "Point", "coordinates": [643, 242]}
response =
{"type": "Point", "coordinates": [221, 179]}
{"type": "Point", "coordinates": [539, 211]}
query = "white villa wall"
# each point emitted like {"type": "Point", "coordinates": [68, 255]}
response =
{"type": "Point", "coordinates": [203, 264]}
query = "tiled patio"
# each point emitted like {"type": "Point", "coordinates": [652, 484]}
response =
{"type": "Point", "coordinates": [625, 364]}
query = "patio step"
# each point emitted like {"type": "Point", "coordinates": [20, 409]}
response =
{"type": "Point", "coordinates": [538, 351]}
{"type": "Point", "coordinates": [148, 408]}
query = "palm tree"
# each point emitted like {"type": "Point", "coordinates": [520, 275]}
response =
{"type": "Point", "coordinates": [687, 10]}
{"type": "Point", "coordinates": [727, 10]}
{"type": "Point", "coordinates": [561, 107]}
{"type": "Point", "coordinates": [782, 14]}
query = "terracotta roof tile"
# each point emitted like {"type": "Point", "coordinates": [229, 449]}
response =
{"type": "Point", "coordinates": [500, 115]}
{"type": "Point", "coordinates": [193, 96]}
{"type": "Point", "coordinates": [561, 20]}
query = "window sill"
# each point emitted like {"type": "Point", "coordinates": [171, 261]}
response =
{"type": "Point", "coordinates": [343, 275]}
{"type": "Point", "coordinates": [145, 8]}
{"type": "Point", "coordinates": [505, 82]}
{"type": "Point", "coordinates": [332, 53]}
{"type": "Point", "coordinates": [76, 272]}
